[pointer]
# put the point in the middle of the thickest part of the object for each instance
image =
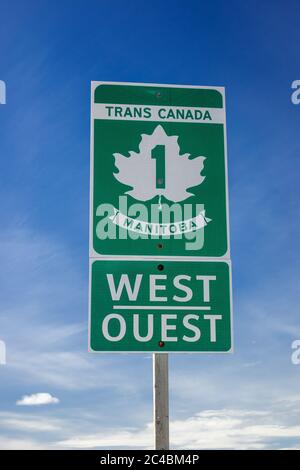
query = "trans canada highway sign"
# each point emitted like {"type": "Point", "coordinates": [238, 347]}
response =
{"type": "Point", "coordinates": [160, 270]}
{"type": "Point", "coordinates": [158, 171]}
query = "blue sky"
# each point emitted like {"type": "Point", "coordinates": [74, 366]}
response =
{"type": "Point", "coordinates": [49, 53]}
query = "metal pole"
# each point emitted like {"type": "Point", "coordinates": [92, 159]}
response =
{"type": "Point", "coordinates": [161, 401]}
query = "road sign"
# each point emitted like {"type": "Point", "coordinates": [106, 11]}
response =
{"type": "Point", "coordinates": [158, 171]}
{"type": "Point", "coordinates": [171, 306]}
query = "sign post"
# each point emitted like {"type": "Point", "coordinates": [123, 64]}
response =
{"type": "Point", "coordinates": [160, 271]}
{"type": "Point", "coordinates": [161, 401]}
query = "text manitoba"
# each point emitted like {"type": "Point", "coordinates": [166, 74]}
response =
{"type": "Point", "coordinates": [160, 220]}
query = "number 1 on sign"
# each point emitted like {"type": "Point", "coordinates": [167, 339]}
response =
{"type": "Point", "coordinates": [158, 153]}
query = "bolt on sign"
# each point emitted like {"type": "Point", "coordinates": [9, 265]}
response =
{"type": "Point", "coordinates": [173, 306]}
{"type": "Point", "coordinates": [158, 171]}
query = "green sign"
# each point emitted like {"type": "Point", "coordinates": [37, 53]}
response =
{"type": "Point", "coordinates": [158, 171]}
{"type": "Point", "coordinates": [167, 306]}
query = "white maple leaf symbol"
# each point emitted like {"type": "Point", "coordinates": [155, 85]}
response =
{"type": "Point", "coordinates": [139, 170]}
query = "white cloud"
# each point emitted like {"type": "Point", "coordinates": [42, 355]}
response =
{"type": "Point", "coordinates": [271, 428]}
{"type": "Point", "coordinates": [19, 444]}
{"type": "Point", "coordinates": [111, 438]}
{"type": "Point", "coordinates": [29, 423]}
{"type": "Point", "coordinates": [210, 429]}
{"type": "Point", "coordinates": [37, 399]}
